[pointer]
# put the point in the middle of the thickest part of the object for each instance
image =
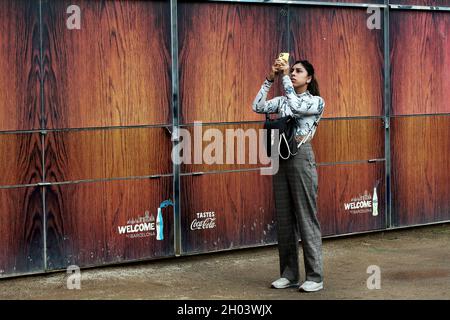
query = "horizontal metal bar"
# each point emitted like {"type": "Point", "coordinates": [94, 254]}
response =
{"type": "Point", "coordinates": [21, 131]}
{"type": "Point", "coordinates": [391, 229]}
{"type": "Point", "coordinates": [124, 263]}
{"type": "Point", "coordinates": [185, 255]}
{"type": "Point", "coordinates": [352, 118]}
{"type": "Point", "coordinates": [200, 123]}
{"type": "Point", "coordinates": [349, 162]}
{"type": "Point", "coordinates": [168, 127]}
{"type": "Point", "coordinates": [47, 183]}
{"type": "Point", "coordinates": [419, 115]}
{"type": "Point", "coordinates": [46, 131]}
{"type": "Point", "coordinates": [144, 126]}
{"type": "Point", "coordinates": [111, 179]}
{"type": "Point", "coordinates": [308, 3]}
{"type": "Point", "coordinates": [376, 160]}
{"type": "Point", "coordinates": [423, 8]}
{"type": "Point", "coordinates": [200, 173]}
{"type": "Point", "coordinates": [195, 173]}
{"type": "Point", "coordinates": [418, 225]}
{"type": "Point", "coordinates": [328, 237]}
{"type": "Point", "coordinates": [18, 186]}
{"type": "Point", "coordinates": [204, 124]}
{"type": "Point", "coordinates": [342, 4]}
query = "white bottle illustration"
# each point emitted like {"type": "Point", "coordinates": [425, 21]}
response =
{"type": "Point", "coordinates": [159, 226]}
{"type": "Point", "coordinates": [374, 202]}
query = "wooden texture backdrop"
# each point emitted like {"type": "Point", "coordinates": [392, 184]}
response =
{"type": "Point", "coordinates": [114, 71]}
{"type": "Point", "coordinates": [215, 137]}
{"type": "Point", "coordinates": [420, 81]}
{"type": "Point", "coordinates": [21, 231]}
{"type": "Point", "coordinates": [103, 154]}
{"type": "Point", "coordinates": [20, 159]}
{"type": "Point", "coordinates": [335, 141]}
{"type": "Point", "coordinates": [349, 140]}
{"type": "Point", "coordinates": [21, 214]}
{"type": "Point", "coordinates": [420, 62]}
{"type": "Point", "coordinates": [226, 51]}
{"type": "Point", "coordinates": [420, 169]}
{"type": "Point", "coordinates": [20, 107]}
{"type": "Point", "coordinates": [341, 57]}
{"type": "Point", "coordinates": [83, 221]}
{"type": "Point", "coordinates": [346, 55]}
{"type": "Point", "coordinates": [338, 184]}
{"type": "Point", "coordinates": [243, 206]}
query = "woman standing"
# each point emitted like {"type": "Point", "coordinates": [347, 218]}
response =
{"type": "Point", "coordinates": [296, 183]}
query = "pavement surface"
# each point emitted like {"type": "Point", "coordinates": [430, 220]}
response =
{"type": "Point", "coordinates": [413, 263]}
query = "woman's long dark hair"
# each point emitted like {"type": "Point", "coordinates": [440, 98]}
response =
{"type": "Point", "coordinates": [313, 86]}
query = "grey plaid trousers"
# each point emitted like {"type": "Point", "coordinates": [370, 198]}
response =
{"type": "Point", "coordinates": [295, 187]}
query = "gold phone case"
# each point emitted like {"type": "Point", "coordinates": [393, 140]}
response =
{"type": "Point", "coordinates": [284, 56]}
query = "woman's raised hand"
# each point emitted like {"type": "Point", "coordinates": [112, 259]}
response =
{"type": "Point", "coordinates": [283, 67]}
{"type": "Point", "coordinates": [275, 69]}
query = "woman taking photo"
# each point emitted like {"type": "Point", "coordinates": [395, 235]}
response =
{"type": "Point", "coordinates": [296, 183]}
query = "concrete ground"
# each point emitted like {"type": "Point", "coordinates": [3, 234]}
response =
{"type": "Point", "coordinates": [414, 264]}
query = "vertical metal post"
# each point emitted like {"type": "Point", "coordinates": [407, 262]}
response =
{"type": "Point", "coordinates": [175, 124]}
{"type": "Point", "coordinates": [288, 22]}
{"type": "Point", "coordinates": [42, 134]}
{"type": "Point", "coordinates": [387, 112]}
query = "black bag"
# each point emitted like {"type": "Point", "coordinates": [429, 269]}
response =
{"type": "Point", "coordinates": [287, 146]}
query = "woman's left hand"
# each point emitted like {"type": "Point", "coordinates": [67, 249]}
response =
{"type": "Point", "coordinates": [284, 67]}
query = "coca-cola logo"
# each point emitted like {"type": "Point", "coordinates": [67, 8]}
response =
{"type": "Point", "coordinates": [208, 223]}
{"type": "Point", "coordinates": [204, 220]}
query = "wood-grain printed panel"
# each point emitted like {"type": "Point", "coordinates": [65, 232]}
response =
{"type": "Point", "coordinates": [342, 190]}
{"type": "Point", "coordinates": [21, 231]}
{"type": "Point", "coordinates": [422, 2]}
{"type": "Point", "coordinates": [83, 222]}
{"type": "Point", "coordinates": [346, 55]}
{"type": "Point", "coordinates": [226, 51]}
{"type": "Point", "coordinates": [223, 147]}
{"type": "Point", "coordinates": [20, 107]}
{"type": "Point", "coordinates": [115, 70]}
{"type": "Point", "coordinates": [420, 62]}
{"type": "Point", "coordinates": [349, 140]}
{"type": "Point", "coordinates": [103, 154]}
{"type": "Point", "coordinates": [20, 159]}
{"type": "Point", "coordinates": [420, 169]}
{"type": "Point", "coordinates": [243, 211]}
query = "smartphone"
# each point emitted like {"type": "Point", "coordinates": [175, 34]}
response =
{"type": "Point", "coordinates": [284, 56]}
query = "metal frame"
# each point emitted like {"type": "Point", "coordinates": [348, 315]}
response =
{"type": "Point", "coordinates": [387, 109]}
{"type": "Point", "coordinates": [176, 109]}
{"type": "Point", "coordinates": [343, 4]}
{"type": "Point", "coordinates": [307, 3]}
{"type": "Point", "coordinates": [42, 134]}
{"type": "Point", "coordinates": [175, 124]}
{"type": "Point", "coordinates": [423, 8]}
{"type": "Point", "coordinates": [50, 130]}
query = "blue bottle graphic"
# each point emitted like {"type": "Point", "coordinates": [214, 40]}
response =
{"type": "Point", "coordinates": [159, 226]}
{"type": "Point", "coordinates": [160, 221]}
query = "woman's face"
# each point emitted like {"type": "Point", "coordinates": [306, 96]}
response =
{"type": "Point", "coordinates": [299, 76]}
